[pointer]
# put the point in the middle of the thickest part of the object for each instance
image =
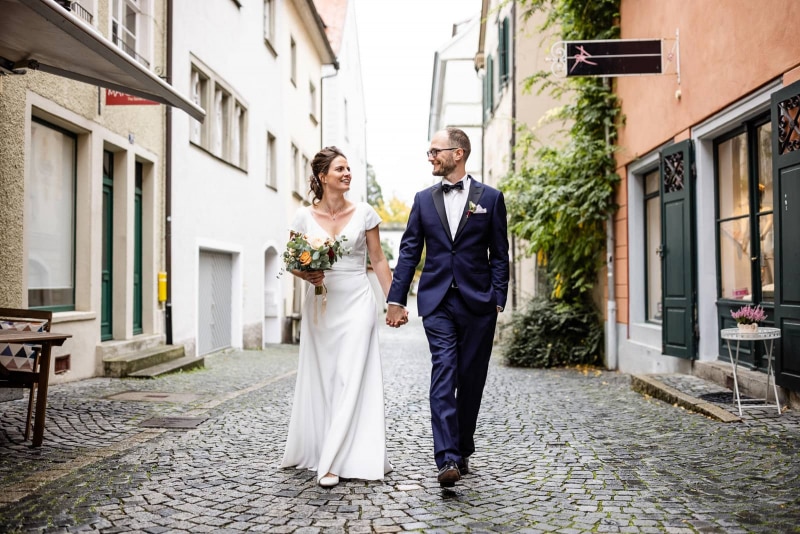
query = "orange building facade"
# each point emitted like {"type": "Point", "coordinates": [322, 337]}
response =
{"type": "Point", "coordinates": [709, 202]}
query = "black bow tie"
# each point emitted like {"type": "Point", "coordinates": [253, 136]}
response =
{"type": "Point", "coordinates": [458, 185]}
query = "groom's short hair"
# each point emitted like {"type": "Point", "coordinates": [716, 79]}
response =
{"type": "Point", "coordinates": [459, 139]}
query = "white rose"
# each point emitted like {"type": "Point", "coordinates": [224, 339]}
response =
{"type": "Point", "coordinates": [316, 242]}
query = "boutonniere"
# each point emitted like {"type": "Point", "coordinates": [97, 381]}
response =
{"type": "Point", "coordinates": [471, 208]}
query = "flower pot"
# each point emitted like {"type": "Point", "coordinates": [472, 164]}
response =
{"type": "Point", "coordinates": [748, 327]}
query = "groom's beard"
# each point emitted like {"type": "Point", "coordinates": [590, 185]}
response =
{"type": "Point", "coordinates": [446, 167]}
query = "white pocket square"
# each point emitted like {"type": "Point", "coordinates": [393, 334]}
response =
{"type": "Point", "coordinates": [479, 209]}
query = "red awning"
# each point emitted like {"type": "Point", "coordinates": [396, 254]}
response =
{"type": "Point", "coordinates": [40, 34]}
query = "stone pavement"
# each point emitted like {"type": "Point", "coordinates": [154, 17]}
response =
{"type": "Point", "coordinates": [565, 450]}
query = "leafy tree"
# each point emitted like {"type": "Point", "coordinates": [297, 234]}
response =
{"type": "Point", "coordinates": [396, 211]}
{"type": "Point", "coordinates": [374, 191]}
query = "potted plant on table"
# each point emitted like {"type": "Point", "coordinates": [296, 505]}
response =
{"type": "Point", "coordinates": [748, 317]}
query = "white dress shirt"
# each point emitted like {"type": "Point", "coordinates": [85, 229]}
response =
{"type": "Point", "coordinates": [454, 205]}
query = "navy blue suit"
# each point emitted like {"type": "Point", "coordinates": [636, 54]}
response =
{"type": "Point", "coordinates": [463, 281]}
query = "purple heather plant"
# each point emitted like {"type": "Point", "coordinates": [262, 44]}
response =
{"type": "Point", "coordinates": [749, 314]}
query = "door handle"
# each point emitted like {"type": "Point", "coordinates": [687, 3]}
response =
{"type": "Point", "coordinates": [660, 251]}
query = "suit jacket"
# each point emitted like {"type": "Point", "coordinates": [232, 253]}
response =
{"type": "Point", "coordinates": [476, 259]}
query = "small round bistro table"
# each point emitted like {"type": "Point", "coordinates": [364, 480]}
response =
{"type": "Point", "coordinates": [768, 335]}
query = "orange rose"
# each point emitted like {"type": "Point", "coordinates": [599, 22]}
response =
{"type": "Point", "coordinates": [305, 258]}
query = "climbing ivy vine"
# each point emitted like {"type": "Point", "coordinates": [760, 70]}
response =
{"type": "Point", "coordinates": [560, 195]}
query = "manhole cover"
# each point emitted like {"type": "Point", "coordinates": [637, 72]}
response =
{"type": "Point", "coordinates": [153, 396]}
{"type": "Point", "coordinates": [720, 397]}
{"type": "Point", "coordinates": [173, 422]}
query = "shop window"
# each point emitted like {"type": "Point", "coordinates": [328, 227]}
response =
{"type": "Point", "coordinates": [50, 217]}
{"type": "Point", "coordinates": [744, 213]}
{"type": "Point", "coordinates": [652, 241]}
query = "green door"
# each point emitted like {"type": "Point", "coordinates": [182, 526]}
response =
{"type": "Point", "coordinates": [786, 170]}
{"type": "Point", "coordinates": [679, 286]}
{"type": "Point", "coordinates": [137, 252]}
{"type": "Point", "coordinates": [108, 240]}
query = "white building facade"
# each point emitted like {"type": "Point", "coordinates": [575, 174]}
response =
{"type": "Point", "coordinates": [238, 178]}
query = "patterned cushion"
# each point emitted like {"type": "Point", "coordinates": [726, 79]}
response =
{"type": "Point", "coordinates": [20, 357]}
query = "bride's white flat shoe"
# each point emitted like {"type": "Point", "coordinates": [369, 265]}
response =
{"type": "Point", "coordinates": [329, 481]}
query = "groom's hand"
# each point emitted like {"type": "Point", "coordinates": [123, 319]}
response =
{"type": "Point", "coordinates": [396, 316]}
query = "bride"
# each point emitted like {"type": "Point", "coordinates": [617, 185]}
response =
{"type": "Point", "coordinates": [337, 426]}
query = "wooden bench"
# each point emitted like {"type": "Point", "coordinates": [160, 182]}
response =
{"type": "Point", "coordinates": [20, 362]}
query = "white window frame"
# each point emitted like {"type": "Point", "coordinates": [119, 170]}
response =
{"type": "Point", "coordinates": [224, 132]}
{"type": "Point", "coordinates": [271, 175]}
{"type": "Point", "coordinates": [142, 34]}
{"type": "Point", "coordinates": [269, 23]}
{"type": "Point", "coordinates": [639, 329]}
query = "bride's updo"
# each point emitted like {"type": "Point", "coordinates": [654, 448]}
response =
{"type": "Point", "coordinates": [320, 165]}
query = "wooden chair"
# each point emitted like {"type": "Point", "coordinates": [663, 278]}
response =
{"type": "Point", "coordinates": [19, 364]}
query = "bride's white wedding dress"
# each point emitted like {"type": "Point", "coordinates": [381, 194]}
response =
{"type": "Point", "coordinates": [337, 422]}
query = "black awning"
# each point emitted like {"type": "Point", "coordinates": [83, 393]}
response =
{"type": "Point", "coordinates": [40, 34]}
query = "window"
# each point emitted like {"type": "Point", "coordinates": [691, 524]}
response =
{"type": "Point", "coordinates": [312, 95]}
{"type": "Point", "coordinates": [503, 46]}
{"type": "Point", "coordinates": [199, 97]}
{"type": "Point", "coordinates": [295, 170]}
{"type": "Point", "coordinates": [50, 218]}
{"type": "Point", "coordinates": [652, 242]}
{"type": "Point", "coordinates": [271, 174]}
{"type": "Point", "coordinates": [488, 89]}
{"type": "Point", "coordinates": [224, 132]}
{"type": "Point", "coordinates": [269, 21]}
{"type": "Point", "coordinates": [305, 167]}
{"type": "Point", "coordinates": [129, 28]}
{"type": "Point", "coordinates": [293, 59]}
{"type": "Point", "coordinates": [744, 213]}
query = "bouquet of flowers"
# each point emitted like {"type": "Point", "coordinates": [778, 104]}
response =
{"type": "Point", "coordinates": [749, 315]}
{"type": "Point", "coordinates": [312, 254]}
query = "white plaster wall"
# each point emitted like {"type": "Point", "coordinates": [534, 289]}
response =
{"type": "Point", "coordinates": [215, 204]}
{"type": "Point", "coordinates": [347, 132]}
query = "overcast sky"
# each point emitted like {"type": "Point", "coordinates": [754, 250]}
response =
{"type": "Point", "coordinates": [398, 39]}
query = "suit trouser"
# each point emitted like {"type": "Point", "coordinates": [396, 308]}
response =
{"type": "Point", "coordinates": [461, 346]}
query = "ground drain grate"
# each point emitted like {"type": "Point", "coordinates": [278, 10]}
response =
{"type": "Point", "coordinates": [173, 422]}
{"type": "Point", "coordinates": [152, 396]}
{"type": "Point", "coordinates": [721, 397]}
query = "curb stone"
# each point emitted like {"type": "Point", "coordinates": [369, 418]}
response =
{"type": "Point", "coordinates": [656, 389]}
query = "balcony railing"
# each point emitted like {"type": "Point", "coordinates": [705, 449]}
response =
{"type": "Point", "coordinates": [77, 8]}
{"type": "Point", "coordinates": [130, 51]}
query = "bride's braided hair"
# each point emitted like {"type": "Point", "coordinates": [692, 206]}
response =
{"type": "Point", "coordinates": [320, 165]}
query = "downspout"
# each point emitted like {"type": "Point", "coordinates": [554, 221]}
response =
{"type": "Point", "coordinates": [168, 186]}
{"type": "Point", "coordinates": [611, 311]}
{"type": "Point", "coordinates": [513, 46]}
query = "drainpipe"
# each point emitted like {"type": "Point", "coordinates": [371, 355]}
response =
{"type": "Point", "coordinates": [513, 160]}
{"type": "Point", "coordinates": [168, 186]}
{"type": "Point", "coordinates": [611, 311]}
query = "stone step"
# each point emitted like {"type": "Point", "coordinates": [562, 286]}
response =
{"type": "Point", "coordinates": [123, 365]}
{"type": "Point", "coordinates": [181, 364]}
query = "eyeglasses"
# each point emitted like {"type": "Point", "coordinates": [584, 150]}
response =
{"type": "Point", "coordinates": [432, 153]}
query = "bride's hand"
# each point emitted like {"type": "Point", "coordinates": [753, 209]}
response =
{"type": "Point", "coordinates": [314, 277]}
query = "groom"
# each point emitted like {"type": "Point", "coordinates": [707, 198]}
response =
{"type": "Point", "coordinates": [461, 224]}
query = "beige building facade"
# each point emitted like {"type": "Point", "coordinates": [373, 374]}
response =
{"type": "Point", "coordinates": [81, 171]}
{"type": "Point", "coordinates": [708, 158]}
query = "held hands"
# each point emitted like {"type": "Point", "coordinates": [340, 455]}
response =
{"type": "Point", "coordinates": [396, 316]}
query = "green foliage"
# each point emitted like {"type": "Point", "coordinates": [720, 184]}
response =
{"type": "Point", "coordinates": [552, 334]}
{"type": "Point", "coordinates": [560, 197]}
{"type": "Point", "coordinates": [374, 191]}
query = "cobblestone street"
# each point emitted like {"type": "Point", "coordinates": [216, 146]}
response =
{"type": "Point", "coordinates": [558, 451]}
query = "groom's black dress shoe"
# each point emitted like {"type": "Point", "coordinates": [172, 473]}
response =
{"type": "Point", "coordinates": [463, 466]}
{"type": "Point", "coordinates": [449, 475]}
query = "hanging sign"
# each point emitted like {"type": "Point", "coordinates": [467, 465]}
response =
{"type": "Point", "coordinates": [614, 57]}
{"type": "Point", "coordinates": [117, 98]}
